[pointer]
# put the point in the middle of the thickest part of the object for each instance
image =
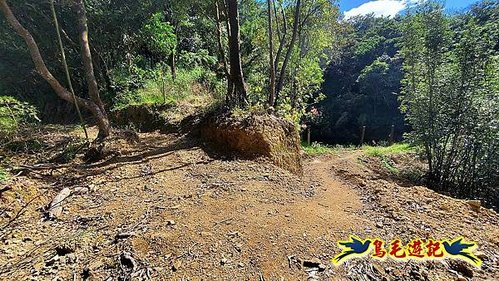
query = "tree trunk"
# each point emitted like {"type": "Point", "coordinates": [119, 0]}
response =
{"type": "Point", "coordinates": [93, 88]}
{"type": "Point", "coordinates": [221, 51]}
{"type": "Point", "coordinates": [282, 75]}
{"type": "Point", "coordinates": [237, 91]}
{"type": "Point", "coordinates": [271, 100]}
{"type": "Point", "coordinates": [103, 70]}
{"type": "Point", "coordinates": [281, 35]}
{"type": "Point", "coordinates": [42, 69]}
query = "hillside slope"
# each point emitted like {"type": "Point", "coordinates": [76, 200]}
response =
{"type": "Point", "coordinates": [167, 209]}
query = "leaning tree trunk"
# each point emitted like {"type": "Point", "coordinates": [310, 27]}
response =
{"type": "Point", "coordinates": [282, 75]}
{"type": "Point", "coordinates": [271, 99]}
{"type": "Point", "coordinates": [40, 66]}
{"type": "Point", "coordinates": [93, 88]}
{"type": "Point", "coordinates": [237, 92]}
{"type": "Point", "coordinates": [221, 51]}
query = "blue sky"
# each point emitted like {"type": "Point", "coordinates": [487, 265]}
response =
{"type": "Point", "coordinates": [392, 7]}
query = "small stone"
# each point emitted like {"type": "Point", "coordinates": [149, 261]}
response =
{"type": "Point", "coordinates": [315, 262]}
{"type": "Point", "coordinates": [127, 260]}
{"type": "Point", "coordinates": [81, 189]}
{"type": "Point", "coordinates": [379, 224]}
{"type": "Point", "coordinates": [65, 249]}
{"type": "Point", "coordinates": [223, 261]}
{"type": "Point", "coordinates": [55, 207]}
{"type": "Point", "coordinates": [322, 267]}
{"type": "Point", "coordinates": [176, 265]}
{"type": "Point", "coordinates": [481, 255]}
{"type": "Point", "coordinates": [27, 239]}
{"type": "Point", "coordinates": [461, 278]}
{"type": "Point", "coordinates": [124, 235]}
{"type": "Point", "coordinates": [52, 261]}
{"type": "Point", "coordinates": [170, 222]}
{"type": "Point", "coordinates": [38, 266]}
{"type": "Point", "coordinates": [71, 258]}
{"type": "Point", "coordinates": [475, 204]}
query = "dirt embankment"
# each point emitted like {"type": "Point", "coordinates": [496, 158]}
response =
{"type": "Point", "coordinates": [143, 118]}
{"type": "Point", "coordinates": [256, 136]}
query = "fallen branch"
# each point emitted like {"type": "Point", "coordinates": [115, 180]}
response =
{"type": "Point", "coordinates": [223, 221]}
{"type": "Point", "coordinates": [7, 188]}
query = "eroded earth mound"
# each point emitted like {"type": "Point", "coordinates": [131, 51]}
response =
{"type": "Point", "coordinates": [256, 136]}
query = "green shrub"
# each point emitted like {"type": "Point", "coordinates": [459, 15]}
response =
{"type": "Point", "coordinates": [189, 84]}
{"type": "Point", "coordinates": [14, 113]}
{"type": "Point", "coordinates": [3, 175]}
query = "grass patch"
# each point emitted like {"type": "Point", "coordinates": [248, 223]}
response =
{"type": "Point", "coordinates": [389, 165]}
{"type": "Point", "coordinates": [386, 156]}
{"type": "Point", "coordinates": [317, 148]}
{"type": "Point", "coordinates": [379, 151]}
{"type": "Point", "coordinates": [190, 86]}
{"type": "Point", "coordinates": [3, 175]}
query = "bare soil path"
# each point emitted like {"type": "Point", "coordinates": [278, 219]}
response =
{"type": "Point", "coordinates": [166, 209]}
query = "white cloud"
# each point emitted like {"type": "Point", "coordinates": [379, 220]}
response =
{"type": "Point", "coordinates": [385, 8]}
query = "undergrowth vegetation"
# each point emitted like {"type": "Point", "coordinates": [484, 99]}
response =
{"type": "Point", "coordinates": [13, 114]}
{"type": "Point", "coordinates": [397, 161]}
{"type": "Point", "coordinates": [193, 86]}
{"type": "Point", "coordinates": [394, 161]}
{"type": "Point", "coordinates": [3, 175]}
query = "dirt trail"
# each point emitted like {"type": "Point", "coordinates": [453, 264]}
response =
{"type": "Point", "coordinates": [165, 209]}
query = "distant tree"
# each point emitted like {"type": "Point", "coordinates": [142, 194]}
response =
{"type": "Point", "coordinates": [362, 83]}
{"type": "Point", "coordinates": [161, 41]}
{"type": "Point", "coordinates": [450, 99]}
{"type": "Point", "coordinates": [276, 50]}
